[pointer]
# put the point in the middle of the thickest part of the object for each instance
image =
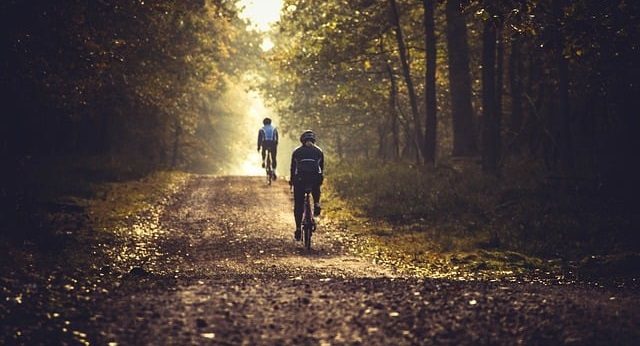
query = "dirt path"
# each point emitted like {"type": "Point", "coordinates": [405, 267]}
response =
{"type": "Point", "coordinates": [221, 267]}
{"type": "Point", "coordinates": [241, 226]}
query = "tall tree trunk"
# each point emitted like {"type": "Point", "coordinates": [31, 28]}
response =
{"type": "Point", "coordinates": [537, 92]}
{"type": "Point", "coordinates": [499, 87]}
{"type": "Point", "coordinates": [430, 84]}
{"type": "Point", "coordinates": [393, 112]}
{"type": "Point", "coordinates": [563, 132]}
{"type": "Point", "coordinates": [406, 70]}
{"type": "Point", "coordinates": [489, 112]}
{"type": "Point", "coordinates": [464, 134]}
{"type": "Point", "coordinates": [515, 84]}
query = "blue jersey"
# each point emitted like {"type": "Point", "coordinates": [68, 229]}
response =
{"type": "Point", "coordinates": [270, 132]}
{"type": "Point", "coordinates": [268, 135]}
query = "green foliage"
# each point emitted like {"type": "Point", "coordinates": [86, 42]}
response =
{"type": "Point", "coordinates": [459, 208]}
{"type": "Point", "coordinates": [406, 192]}
{"type": "Point", "coordinates": [137, 80]}
{"type": "Point", "coordinates": [331, 60]}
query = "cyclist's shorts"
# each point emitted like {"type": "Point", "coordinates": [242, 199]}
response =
{"type": "Point", "coordinates": [307, 179]}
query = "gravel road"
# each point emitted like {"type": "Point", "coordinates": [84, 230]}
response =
{"type": "Point", "coordinates": [220, 266]}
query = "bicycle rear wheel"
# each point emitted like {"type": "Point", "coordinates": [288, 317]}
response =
{"type": "Point", "coordinates": [268, 169]}
{"type": "Point", "coordinates": [306, 236]}
{"type": "Point", "coordinates": [307, 221]}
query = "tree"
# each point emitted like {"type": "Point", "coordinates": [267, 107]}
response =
{"type": "Point", "coordinates": [116, 78]}
{"type": "Point", "coordinates": [490, 113]}
{"type": "Point", "coordinates": [464, 138]}
{"type": "Point", "coordinates": [563, 136]}
{"type": "Point", "coordinates": [430, 83]}
{"type": "Point", "coordinates": [406, 72]}
{"type": "Point", "coordinates": [516, 89]}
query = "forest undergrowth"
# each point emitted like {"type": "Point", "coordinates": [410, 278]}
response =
{"type": "Point", "coordinates": [456, 215]}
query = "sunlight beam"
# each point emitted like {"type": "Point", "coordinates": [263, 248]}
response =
{"type": "Point", "coordinates": [261, 13]}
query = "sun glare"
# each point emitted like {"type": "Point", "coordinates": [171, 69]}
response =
{"type": "Point", "coordinates": [266, 45]}
{"type": "Point", "coordinates": [261, 13]}
{"type": "Point", "coordinates": [256, 112]}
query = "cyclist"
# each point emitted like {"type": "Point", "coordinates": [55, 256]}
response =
{"type": "Point", "coordinates": [268, 140]}
{"type": "Point", "coordinates": [307, 167]}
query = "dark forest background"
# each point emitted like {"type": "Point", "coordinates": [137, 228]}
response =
{"type": "Point", "coordinates": [516, 122]}
{"type": "Point", "coordinates": [99, 91]}
{"type": "Point", "coordinates": [512, 123]}
{"type": "Point", "coordinates": [551, 81]}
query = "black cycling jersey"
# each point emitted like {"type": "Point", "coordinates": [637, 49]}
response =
{"type": "Point", "coordinates": [307, 160]}
{"type": "Point", "coordinates": [307, 169]}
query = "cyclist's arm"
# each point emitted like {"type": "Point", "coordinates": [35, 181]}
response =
{"type": "Point", "coordinates": [293, 166]}
{"type": "Point", "coordinates": [321, 164]}
{"type": "Point", "coordinates": [260, 137]}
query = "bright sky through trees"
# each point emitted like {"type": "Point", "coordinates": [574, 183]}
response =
{"type": "Point", "coordinates": [261, 13]}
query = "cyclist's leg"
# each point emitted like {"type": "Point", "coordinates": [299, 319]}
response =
{"type": "Point", "coordinates": [271, 155]}
{"type": "Point", "coordinates": [298, 202]}
{"type": "Point", "coordinates": [264, 153]}
{"type": "Point", "coordinates": [269, 161]}
{"type": "Point", "coordinates": [315, 191]}
{"type": "Point", "coordinates": [274, 151]}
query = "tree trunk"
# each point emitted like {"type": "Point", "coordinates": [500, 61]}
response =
{"type": "Point", "coordinates": [537, 92]}
{"type": "Point", "coordinates": [489, 112]}
{"type": "Point", "coordinates": [464, 137]}
{"type": "Point", "coordinates": [515, 84]}
{"type": "Point", "coordinates": [499, 88]}
{"type": "Point", "coordinates": [406, 70]}
{"type": "Point", "coordinates": [393, 113]}
{"type": "Point", "coordinates": [563, 120]}
{"type": "Point", "coordinates": [430, 84]}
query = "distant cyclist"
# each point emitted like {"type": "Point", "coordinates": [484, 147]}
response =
{"type": "Point", "coordinates": [268, 140]}
{"type": "Point", "coordinates": [307, 167]}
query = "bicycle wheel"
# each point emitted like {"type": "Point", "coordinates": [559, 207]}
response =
{"type": "Point", "coordinates": [307, 236]}
{"type": "Point", "coordinates": [307, 219]}
{"type": "Point", "coordinates": [307, 222]}
{"type": "Point", "coordinates": [268, 168]}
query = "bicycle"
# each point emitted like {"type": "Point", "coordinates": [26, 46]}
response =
{"type": "Point", "coordinates": [308, 220]}
{"type": "Point", "coordinates": [270, 171]}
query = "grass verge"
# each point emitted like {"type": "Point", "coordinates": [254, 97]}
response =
{"type": "Point", "coordinates": [455, 221]}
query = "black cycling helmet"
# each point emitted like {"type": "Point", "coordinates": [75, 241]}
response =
{"type": "Point", "coordinates": [266, 121]}
{"type": "Point", "coordinates": [308, 136]}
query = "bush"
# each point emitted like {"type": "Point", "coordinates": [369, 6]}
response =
{"type": "Point", "coordinates": [457, 204]}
